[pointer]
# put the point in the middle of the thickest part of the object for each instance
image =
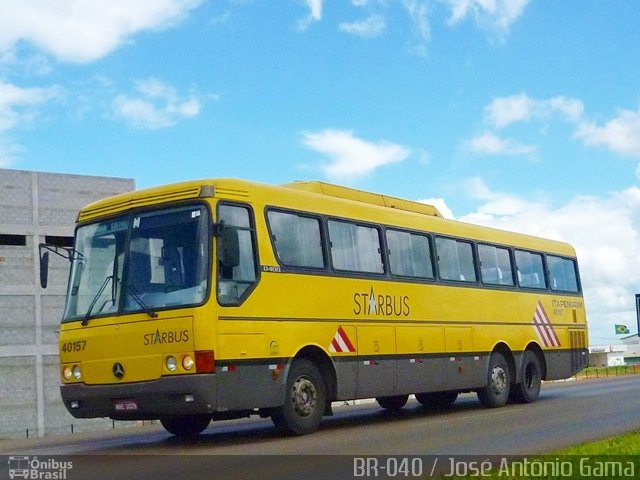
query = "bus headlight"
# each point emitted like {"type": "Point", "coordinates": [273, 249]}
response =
{"type": "Point", "coordinates": [187, 362]}
{"type": "Point", "coordinates": [75, 371]}
{"type": "Point", "coordinates": [66, 373]}
{"type": "Point", "coordinates": [171, 363]}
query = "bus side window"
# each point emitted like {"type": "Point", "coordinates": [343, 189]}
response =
{"type": "Point", "coordinates": [455, 260]}
{"type": "Point", "coordinates": [235, 276]}
{"type": "Point", "coordinates": [409, 254]}
{"type": "Point", "coordinates": [297, 239]}
{"type": "Point", "coordinates": [495, 265]}
{"type": "Point", "coordinates": [562, 274]}
{"type": "Point", "coordinates": [530, 270]}
{"type": "Point", "coordinates": [355, 248]}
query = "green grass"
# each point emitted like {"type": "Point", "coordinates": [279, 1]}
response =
{"type": "Point", "coordinates": [628, 444]}
{"type": "Point", "coordinates": [594, 452]}
{"type": "Point", "coordinates": [603, 372]}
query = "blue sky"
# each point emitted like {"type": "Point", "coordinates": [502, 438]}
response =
{"type": "Point", "coordinates": [521, 114]}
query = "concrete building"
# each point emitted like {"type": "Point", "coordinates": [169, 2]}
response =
{"type": "Point", "coordinates": [37, 207]}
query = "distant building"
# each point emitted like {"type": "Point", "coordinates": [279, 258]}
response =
{"type": "Point", "coordinates": [627, 353]}
{"type": "Point", "coordinates": [35, 208]}
{"type": "Point", "coordinates": [632, 355]}
{"type": "Point", "coordinates": [607, 356]}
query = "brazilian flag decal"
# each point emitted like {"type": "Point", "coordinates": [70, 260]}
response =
{"type": "Point", "coordinates": [621, 330]}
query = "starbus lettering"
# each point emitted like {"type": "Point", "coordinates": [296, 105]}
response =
{"type": "Point", "coordinates": [171, 336]}
{"type": "Point", "coordinates": [372, 304]}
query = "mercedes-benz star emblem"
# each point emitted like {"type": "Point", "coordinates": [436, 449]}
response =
{"type": "Point", "coordinates": [118, 370]}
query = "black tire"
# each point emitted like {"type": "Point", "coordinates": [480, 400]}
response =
{"type": "Point", "coordinates": [437, 400]}
{"type": "Point", "coordinates": [186, 425]}
{"type": "Point", "coordinates": [528, 390]}
{"type": "Point", "coordinates": [496, 392]}
{"type": "Point", "coordinates": [393, 403]}
{"type": "Point", "coordinates": [305, 400]}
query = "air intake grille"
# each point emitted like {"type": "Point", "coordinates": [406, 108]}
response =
{"type": "Point", "coordinates": [579, 357]}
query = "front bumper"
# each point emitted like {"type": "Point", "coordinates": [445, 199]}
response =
{"type": "Point", "coordinates": [186, 395]}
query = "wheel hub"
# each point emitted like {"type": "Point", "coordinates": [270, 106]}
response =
{"type": "Point", "coordinates": [498, 379]}
{"type": "Point", "coordinates": [304, 396]}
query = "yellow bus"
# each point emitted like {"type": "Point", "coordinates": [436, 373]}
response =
{"type": "Point", "coordinates": [223, 298]}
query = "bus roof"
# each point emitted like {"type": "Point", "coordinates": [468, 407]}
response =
{"type": "Point", "coordinates": [331, 190]}
{"type": "Point", "coordinates": [300, 195]}
{"type": "Point", "coordinates": [241, 188]}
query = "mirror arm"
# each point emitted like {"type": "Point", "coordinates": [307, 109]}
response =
{"type": "Point", "coordinates": [217, 228]}
{"type": "Point", "coordinates": [68, 251]}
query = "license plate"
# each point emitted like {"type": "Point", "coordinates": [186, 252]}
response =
{"type": "Point", "coordinates": [126, 405]}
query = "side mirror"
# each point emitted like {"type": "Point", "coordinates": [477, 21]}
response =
{"type": "Point", "coordinates": [65, 252]}
{"type": "Point", "coordinates": [44, 269]}
{"type": "Point", "coordinates": [229, 248]}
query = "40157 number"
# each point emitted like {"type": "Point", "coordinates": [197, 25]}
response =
{"type": "Point", "coordinates": [70, 347]}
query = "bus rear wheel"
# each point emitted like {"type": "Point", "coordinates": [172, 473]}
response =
{"type": "Point", "coordinates": [186, 425]}
{"type": "Point", "coordinates": [496, 392]}
{"type": "Point", "coordinates": [305, 401]}
{"type": "Point", "coordinates": [393, 403]}
{"type": "Point", "coordinates": [528, 389]}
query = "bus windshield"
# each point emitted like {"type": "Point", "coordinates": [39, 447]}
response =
{"type": "Point", "coordinates": [140, 263]}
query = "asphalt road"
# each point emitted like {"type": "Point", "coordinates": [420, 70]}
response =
{"type": "Point", "coordinates": [565, 414]}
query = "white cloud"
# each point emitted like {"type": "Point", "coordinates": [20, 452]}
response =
{"type": "Point", "coordinates": [18, 107]}
{"type": "Point", "coordinates": [621, 134]}
{"type": "Point", "coordinates": [78, 31]}
{"type": "Point", "coordinates": [490, 144]}
{"type": "Point", "coordinates": [315, 13]}
{"type": "Point", "coordinates": [571, 108]}
{"type": "Point", "coordinates": [419, 14]}
{"type": "Point", "coordinates": [371, 26]}
{"type": "Point", "coordinates": [507, 110]}
{"type": "Point", "coordinates": [497, 15]}
{"type": "Point", "coordinates": [497, 203]}
{"type": "Point", "coordinates": [504, 111]}
{"type": "Point", "coordinates": [440, 204]}
{"type": "Point", "coordinates": [157, 105]}
{"type": "Point", "coordinates": [27, 65]}
{"type": "Point", "coordinates": [9, 153]}
{"type": "Point", "coordinates": [605, 232]}
{"type": "Point", "coordinates": [352, 157]}
{"type": "Point", "coordinates": [19, 104]}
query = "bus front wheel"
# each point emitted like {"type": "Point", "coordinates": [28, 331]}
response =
{"type": "Point", "coordinates": [305, 400]}
{"type": "Point", "coordinates": [185, 425]}
{"type": "Point", "coordinates": [496, 392]}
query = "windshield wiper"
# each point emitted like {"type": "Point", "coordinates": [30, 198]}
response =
{"type": "Point", "coordinates": [85, 321]}
{"type": "Point", "coordinates": [145, 308]}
